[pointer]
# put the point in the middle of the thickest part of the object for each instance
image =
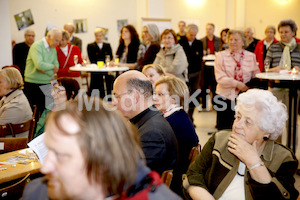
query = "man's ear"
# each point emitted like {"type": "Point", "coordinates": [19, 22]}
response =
{"type": "Point", "coordinates": [137, 96]}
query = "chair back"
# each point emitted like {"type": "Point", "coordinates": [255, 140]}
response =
{"type": "Point", "coordinates": [15, 190]}
{"type": "Point", "coordinates": [195, 151]}
{"type": "Point", "coordinates": [167, 176]}
{"type": "Point", "coordinates": [12, 144]}
{"type": "Point", "coordinates": [14, 129]}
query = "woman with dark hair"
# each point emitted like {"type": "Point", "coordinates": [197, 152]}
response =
{"type": "Point", "coordinates": [130, 49]}
{"type": "Point", "coordinates": [172, 56]}
{"type": "Point", "coordinates": [66, 89]}
{"type": "Point", "coordinates": [223, 36]}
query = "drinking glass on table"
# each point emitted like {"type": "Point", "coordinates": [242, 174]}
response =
{"type": "Point", "coordinates": [75, 59]}
{"type": "Point", "coordinates": [267, 65]}
{"type": "Point", "coordinates": [107, 60]}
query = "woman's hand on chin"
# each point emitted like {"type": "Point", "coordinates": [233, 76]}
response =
{"type": "Point", "coordinates": [246, 152]}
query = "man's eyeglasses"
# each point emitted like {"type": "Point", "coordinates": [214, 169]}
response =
{"type": "Point", "coordinates": [118, 96]}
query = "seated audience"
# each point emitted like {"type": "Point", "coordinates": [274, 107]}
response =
{"type": "Point", "coordinates": [94, 154]}
{"type": "Point", "coordinates": [14, 106]}
{"type": "Point", "coordinates": [73, 39]}
{"type": "Point", "coordinates": [223, 37]}
{"type": "Point", "coordinates": [170, 96]}
{"type": "Point", "coordinates": [20, 50]}
{"type": "Point", "coordinates": [246, 163]}
{"type": "Point", "coordinates": [66, 89]}
{"type": "Point", "coordinates": [234, 67]}
{"type": "Point", "coordinates": [251, 42]}
{"type": "Point", "coordinates": [263, 46]}
{"type": "Point", "coordinates": [153, 72]}
{"type": "Point", "coordinates": [133, 98]}
{"type": "Point", "coordinates": [172, 57]}
{"type": "Point", "coordinates": [65, 56]}
{"type": "Point", "coordinates": [97, 52]}
{"type": "Point", "coordinates": [152, 38]}
{"type": "Point", "coordinates": [130, 50]}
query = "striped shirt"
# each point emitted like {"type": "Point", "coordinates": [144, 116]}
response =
{"type": "Point", "coordinates": [275, 51]}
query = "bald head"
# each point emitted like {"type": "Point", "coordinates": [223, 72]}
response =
{"type": "Point", "coordinates": [133, 93]}
{"type": "Point", "coordinates": [248, 33]}
{"type": "Point", "coordinates": [70, 28]}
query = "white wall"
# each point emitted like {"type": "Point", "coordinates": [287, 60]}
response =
{"type": "Point", "coordinates": [5, 50]}
{"type": "Point", "coordinates": [223, 13]}
{"type": "Point", "coordinates": [104, 13]}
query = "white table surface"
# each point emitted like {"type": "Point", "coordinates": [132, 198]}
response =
{"type": "Point", "coordinates": [210, 63]}
{"type": "Point", "coordinates": [278, 76]}
{"type": "Point", "coordinates": [95, 68]}
{"type": "Point", "coordinates": [209, 57]}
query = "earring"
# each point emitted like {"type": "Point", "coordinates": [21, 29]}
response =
{"type": "Point", "coordinates": [265, 138]}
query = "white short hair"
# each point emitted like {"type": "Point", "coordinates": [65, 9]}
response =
{"type": "Point", "coordinates": [53, 32]}
{"type": "Point", "coordinates": [273, 113]}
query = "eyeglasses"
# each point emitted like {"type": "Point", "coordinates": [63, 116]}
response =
{"type": "Point", "coordinates": [58, 90]}
{"type": "Point", "coordinates": [118, 96]}
{"type": "Point", "coordinates": [168, 38]}
{"type": "Point", "coordinates": [144, 32]}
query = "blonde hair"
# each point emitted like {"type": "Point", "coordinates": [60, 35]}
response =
{"type": "Point", "coordinates": [176, 87]}
{"type": "Point", "coordinates": [65, 34]}
{"type": "Point", "coordinates": [99, 30]}
{"type": "Point", "coordinates": [271, 27]}
{"type": "Point", "coordinates": [158, 68]}
{"type": "Point", "coordinates": [107, 143]}
{"type": "Point", "coordinates": [13, 77]}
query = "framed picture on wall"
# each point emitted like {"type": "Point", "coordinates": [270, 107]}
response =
{"type": "Point", "coordinates": [80, 25]}
{"type": "Point", "coordinates": [121, 23]}
{"type": "Point", "coordinates": [24, 19]}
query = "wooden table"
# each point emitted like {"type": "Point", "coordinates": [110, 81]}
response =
{"type": "Point", "coordinates": [293, 81]}
{"type": "Point", "coordinates": [13, 172]}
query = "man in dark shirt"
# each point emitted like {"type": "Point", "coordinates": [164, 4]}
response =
{"type": "Point", "coordinates": [20, 51]}
{"type": "Point", "coordinates": [133, 98]}
{"type": "Point", "coordinates": [251, 42]}
{"type": "Point", "coordinates": [193, 49]}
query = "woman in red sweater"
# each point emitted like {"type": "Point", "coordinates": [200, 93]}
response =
{"type": "Point", "coordinates": [65, 56]}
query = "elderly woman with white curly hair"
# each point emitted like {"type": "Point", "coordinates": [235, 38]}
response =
{"type": "Point", "coordinates": [246, 163]}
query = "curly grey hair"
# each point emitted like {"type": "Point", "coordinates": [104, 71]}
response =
{"type": "Point", "coordinates": [273, 113]}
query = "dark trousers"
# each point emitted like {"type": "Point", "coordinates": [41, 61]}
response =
{"type": "Point", "coordinates": [194, 84]}
{"type": "Point", "coordinates": [225, 117]}
{"type": "Point", "coordinates": [209, 82]}
{"type": "Point", "coordinates": [97, 82]}
{"type": "Point", "coordinates": [37, 95]}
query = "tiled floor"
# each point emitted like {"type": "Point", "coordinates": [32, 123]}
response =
{"type": "Point", "coordinates": [206, 121]}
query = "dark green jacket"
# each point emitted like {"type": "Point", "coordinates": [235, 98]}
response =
{"type": "Point", "coordinates": [215, 168]}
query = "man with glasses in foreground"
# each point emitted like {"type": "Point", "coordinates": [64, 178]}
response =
{"type": "Point", "coordinates": [133, 97]}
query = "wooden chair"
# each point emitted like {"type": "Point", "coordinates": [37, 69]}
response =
{"type": "Point", "coordinates": [12, 144]}
{"type": "Point", "coordinates": [15, 190]}
{"type": "Point", "coordinates": [14, 129]}
{"type": "Point", "coordinates": [167, 177]}
{"type": "Point", "coordinates": [85, 76]}
{"type": "Point", "coordinates": [194, 152]}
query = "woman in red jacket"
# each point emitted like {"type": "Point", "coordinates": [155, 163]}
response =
{"type": "Point", "coordinates": [263, 45]}
{"type": "Point", "coordinates": [65, 55]}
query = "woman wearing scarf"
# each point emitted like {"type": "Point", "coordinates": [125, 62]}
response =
{"type": "Point", "coordinates": [170, 94]}
{"type": "Point", "coordinates": [285, 54]}
{"type": "Point", "coordinates": [234, 67]}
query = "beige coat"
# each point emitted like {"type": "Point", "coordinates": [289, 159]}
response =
{"type": "Point", "coordinates": [173, 61]}
{"type": "Point", "coordinates": [15, 109]}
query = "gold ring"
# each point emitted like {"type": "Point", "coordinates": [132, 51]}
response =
{"type": "Point", "coordinates": [234, 146]}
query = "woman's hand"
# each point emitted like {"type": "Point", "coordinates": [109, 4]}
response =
{"type": "Point", "coordinates": [246, 152]}
{"type": "Point", "coordinates": [242, 86]}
